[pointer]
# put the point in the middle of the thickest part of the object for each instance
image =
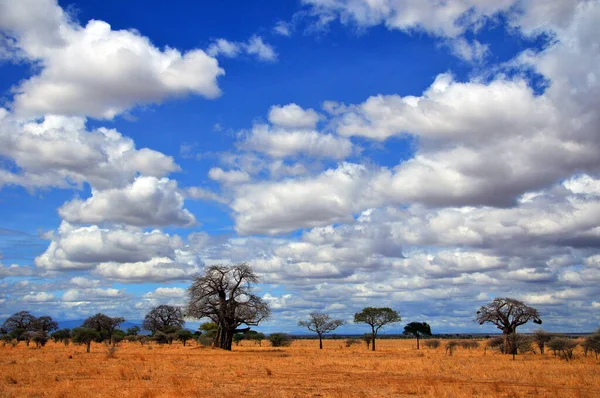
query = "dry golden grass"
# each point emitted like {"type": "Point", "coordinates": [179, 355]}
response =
{"type": "Point", "coordinates": [397, 369]}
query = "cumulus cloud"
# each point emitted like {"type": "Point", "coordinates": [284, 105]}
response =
{"type": "Point", "coordinates": [94, 70]}
{"type": "Point", "coordinates": [148, 201]}
{"type": "Point", "coordinates": [255, 46]}
{"type": "Point", "coordinates": [285, 143]}
{"type": "Point", "coordinates": [38, 297]}
{"type": "Point", "coordinates": [61, 152]}
{"type": "Point", "coordinates": [292, 116]}
{"type": "Point", "coordinates": [75, 247]}
{"type": "Point", "coordinates": [446, 19]}
{"type": "Point", "coordinates": [229, 177]}
{"type": "Point", "coordinates": [158, 269]}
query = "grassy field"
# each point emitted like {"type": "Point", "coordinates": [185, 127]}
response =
{"type": "Point", "coordinates": [397, 369]}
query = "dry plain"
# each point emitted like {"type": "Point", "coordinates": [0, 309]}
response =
{"type": "Point", "coordinates": [396, 369]}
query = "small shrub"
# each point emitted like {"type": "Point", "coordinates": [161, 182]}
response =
{"type": "Point", "coordinates": [280, 339]}
{"type": "Point", "coordinates": [205, 340]}
{"type": "Point", "coordinates": [469, 344]}
{"type": "Point", "coordinates": [563, 347]}
{"type": "Point", "coordinates": [496, 343]}
{"type": "Point", "coordinates": [269, 371]}
{"type": "Point", "coordinates": [351, 342]}
{"type": "Point", "coordinates": [431, 343]}
{"type": "Point", "coordinates": [451, 346]}
{"type": "Point", "coordinates": [368, 339]}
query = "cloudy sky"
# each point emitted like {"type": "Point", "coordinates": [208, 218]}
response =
{"type": "Point", "coordinates": [423, 155]}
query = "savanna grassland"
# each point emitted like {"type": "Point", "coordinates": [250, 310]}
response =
{"type": "Point", "coordinates": [396, 369]}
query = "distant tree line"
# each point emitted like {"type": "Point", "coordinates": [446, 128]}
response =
{"type": "Point", "coordinates": [224, 295]}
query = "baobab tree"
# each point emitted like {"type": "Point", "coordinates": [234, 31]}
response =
{"type": "Point", "coordinates": [224, 295]}
{"type": "Point", "coordinates": [104, 325]}
{"type": "Point", "coordinates": [163, 317]}
{"type": "Point", "coordinates": [321, 324]}
{"type": "Point", "coordinates": [507, 314]}
{"type": "Point", "coordinates": [376, 318]}
{"type": "Point", "coordinates": [417, 329]}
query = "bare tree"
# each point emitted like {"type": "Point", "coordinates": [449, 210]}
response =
{"type": "Point", "coordinates": [45, 325]}
{"type": "Point", "coordinates": [541, 338]}
{"type": "Point", "coordinates": [321, 324]}
{"type": "Point", "coordinates": [163, 317]}
{"type": "Point", "coordinates": [507, 314]}
{"type": "Point", "coordinates": [417, 329]}
{"type": "Point", "coordinates": [19, 323]}
{"type": "Point", "coordinates": [376, 318]}
{"type": "Point", "coordinates": [104, 325]}
{"type": "Point", "coordinates": [224, 295]}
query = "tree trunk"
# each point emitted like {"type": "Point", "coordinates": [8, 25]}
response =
{"type": "Point", "coordinates": [87, 348]}
{"type": "Point", "coordinates": [418, 348]}
{"type": "Point", "coordinates": [373, 342]}
{"type": "Point", "coordinates": [320, 342]}
{"type": "Point", "coordinates": [226, 339]}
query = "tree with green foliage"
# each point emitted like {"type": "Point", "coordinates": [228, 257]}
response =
{"type": "Point", "coordinates": [417, 329]}
{"type": "Point", "coordinates": [376, 318]}
{"type": "Point", "coordinates": [321, 324]}
{"type": "Point", "coordinates": [184, 336]}
{"type": "Point", "coordinates": [133, 331]}
{"type": "Point", "coordinates": [83, 335]}
{"type": "Point", "coordinates": [280, 339]}
{"type": "Point", "coordinates": [104, 325]}
{"type": "Point", "coordinates": [63, 335]}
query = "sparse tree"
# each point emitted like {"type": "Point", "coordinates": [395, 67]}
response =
{"type": "Point", "coordinates": [85, 336]}
{"type": "Point", "coordinates": [376, 318]}
{"type": "Point", "coordinates": [541, 338]}
{"type": "Point", "coordinates": [417, 329]}
{"type": "Point", "coordinates": [104, 325]}
{"type": "Point", "coordinates": [162, 317]}
{"type": "Point", "coordinates": [563, 346]}
{"type": "Point", "coordinates": [224, 295]}
{"type": "Point", "coordinates": [507, 314]}
{"type": "Point", "coordinates": [592, 344]}
{"type": "Point", "coordinates": [321, 324]}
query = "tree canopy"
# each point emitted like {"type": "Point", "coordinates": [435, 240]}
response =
{"type": "Point", "coordinates": [507, 314]}
{"type": "Point", "coordinates": [376, 317]}
{"type": "Point", "coordinates": [104, 325]}
{"type": "Point", "coordinates": [163, 317]}
{"type": "Point", "coordinates": [417, 329]}
{"type": "Point", "coordinates": [224, 295]}
{"type": "Point", "coordinates": [321, 324]}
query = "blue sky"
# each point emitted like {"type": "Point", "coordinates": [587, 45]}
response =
{"type": "Point", "coordinates": [423, 156]}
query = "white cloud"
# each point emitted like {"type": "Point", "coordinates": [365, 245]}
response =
{"type": "Point", "coordinates": [74, 247]}
{"type": "Point", "coordinates": [158, 269]}
{"type": "Point", "coordinates": [230, 177]}
{"type": "Point", "coordinates": [79, 295]}
{"type": "Point", "coordinates": [446, 19]}
{"type": "Point", "coordinates": [287, 143]}
{"type": "Point", "coordinates": [290, 204]}
{"type": "Point", "coordinates": [292, 116]}
{"type": "Point", "coordinates": [255, 46]}
{"type": "Point", "coordinates": [94, 70]}
{"type": "Point", "coordinates": [148, 201]}
{"type": "Point", "coordinates": [39, 297]}
{"type": "Point", "coordinates": [167, 292]}
{"type": "Point", "coordinates": [283, 28]}
{"type": "Point", "coordinates": [61, 152]}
